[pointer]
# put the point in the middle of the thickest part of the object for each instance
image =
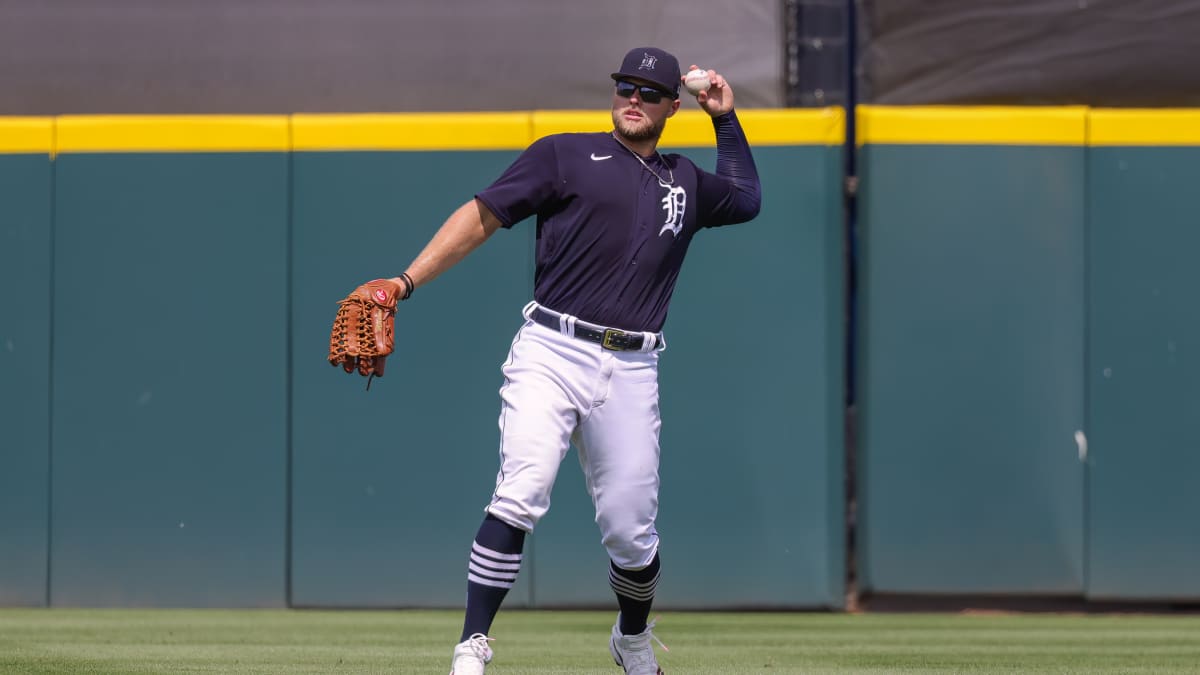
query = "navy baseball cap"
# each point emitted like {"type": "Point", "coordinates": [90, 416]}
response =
{"type": "Point", "coordinates": [651, 65]}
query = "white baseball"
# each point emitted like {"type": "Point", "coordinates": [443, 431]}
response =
{"type": "Point", "coordinates": [696, 81]}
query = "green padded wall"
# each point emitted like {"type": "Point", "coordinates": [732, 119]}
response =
{"type": "Point", "coordinates": [144, 457]}
{"type": "Point", "coordinates": [971, 368]}
{"type": "Point", "coordinates": [25, 231]}
{"type": "Point", "coordinates": [389, 485]}
{"type": "Point", "coordinates": [386, 518]}
{"type": "Point", "coordinates": [170, 384]}
{"type": "Point", "coordinates": [751, 509]}
{"type": "Point", "coordinates": [1143, 399]}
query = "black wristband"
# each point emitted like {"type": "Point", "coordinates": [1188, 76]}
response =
{"type": "Point", "coordinates": [409, 285]}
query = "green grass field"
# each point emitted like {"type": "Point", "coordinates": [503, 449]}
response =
{"type": "Point", "coordinates": [268, 641]}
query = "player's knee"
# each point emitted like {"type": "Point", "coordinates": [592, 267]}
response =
{"type": "Point", "coordinates": [520, 513]}
{"type": "Point", "coordinates": [510, 516]}
{"type": "Point", "coordinates": [522, 495]}
{"type": "Point", "coordinates": [627, 528]}
{"type": "Point", "coordinates": [632, 551]}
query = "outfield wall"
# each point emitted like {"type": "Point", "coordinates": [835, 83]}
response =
{"type": "Point", "coordinates": [1143, 374]}
{"type": "Point", "coordinates": [172, 435]}
{"type": "Point", "coordinates": [1026, 389]}
{"type": "Point", "coordinates": [972, 377]}
{"type": "Point", "coordinates": [1028, 393]}
{"type": "Point", "coordinates": [26, 177]}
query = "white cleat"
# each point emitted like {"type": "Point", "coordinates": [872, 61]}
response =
{"type": "Point", "coordinates": [634, 653]}
{"type": "Point", "coordinates": [471, 656]}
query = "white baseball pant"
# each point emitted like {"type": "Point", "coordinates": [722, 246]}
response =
{"type": "Point", "coordinates": [560, 390]}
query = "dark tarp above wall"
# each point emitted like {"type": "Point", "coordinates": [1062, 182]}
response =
{"type": "Point", "coordinates": [283, 56]}
{"type": "Point", "coordinates": [1031, 52]}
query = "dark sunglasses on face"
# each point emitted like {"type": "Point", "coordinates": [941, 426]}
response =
{"type": "Point", "coordinates": [647, 94]}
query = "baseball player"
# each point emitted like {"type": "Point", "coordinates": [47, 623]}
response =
{"type": "Point", "coordinates": [614, 221]}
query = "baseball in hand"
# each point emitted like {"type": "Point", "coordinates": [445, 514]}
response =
{"type": "Point", "coordinates": [696, 81]}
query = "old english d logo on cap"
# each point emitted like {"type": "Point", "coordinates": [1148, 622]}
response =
{"type": "Point", "coordinates": [648, 61]}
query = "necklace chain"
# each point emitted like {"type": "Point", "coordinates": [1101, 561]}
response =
{"type": "Point", "coordinates": [670, 174]}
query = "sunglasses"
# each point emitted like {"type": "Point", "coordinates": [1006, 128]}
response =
{"type": "Point", "coordinates": [647, 94]}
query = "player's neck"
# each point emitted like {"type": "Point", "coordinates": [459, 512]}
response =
{"type": "Point", "coordinates": [645, 147]}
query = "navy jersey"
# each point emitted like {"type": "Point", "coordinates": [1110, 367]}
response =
{"type": "Point", "coordinates": [612, 233]}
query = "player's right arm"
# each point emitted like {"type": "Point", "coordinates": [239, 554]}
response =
{"type": "Point", "coordinates": [518, 193]}
{"type": "Point", "coordinates": [468, 227]}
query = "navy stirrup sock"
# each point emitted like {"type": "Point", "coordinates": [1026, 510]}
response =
{"type": "Point", "coordinates": [635, 594]}
{"type": "Point", "coordinates": [495, 562]}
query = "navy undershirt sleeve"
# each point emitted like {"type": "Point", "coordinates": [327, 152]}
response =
{"type": "Point", "coordinates": [733, 194]}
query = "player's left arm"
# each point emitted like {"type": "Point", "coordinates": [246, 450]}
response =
{"type": "Point", "coordinates": [734, 194]}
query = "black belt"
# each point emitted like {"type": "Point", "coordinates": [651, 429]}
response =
{"type": "Point", "coordinates": [609, 338]}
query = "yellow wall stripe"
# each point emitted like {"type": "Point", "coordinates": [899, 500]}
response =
{"type": "Point", "coordinates": [406, 131]}
{"type": "Point", "coordinates": [546, 122]}
{"type": "Point", "coordinates": [813, 126]}
{"type": "Point", "coordinates": [983, 125]}
{"type": "Point", "coordinates": [1077, 126]}
{"type": "Point", "coordinates": [411, 131]}
{"type": "Point", "coordinates": [175, 133]}
{"type": "Point", "coordinates": [693, 128]}
{"type": "Point", "coordinates": [516, 130]}
{"type": "Point", "coordinates": [1144, 127]}
{"type": "Point", "coordinates": [27, 135]}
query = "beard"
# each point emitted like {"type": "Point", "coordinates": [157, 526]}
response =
{"type": "Point", "coordinates": [643, 130]}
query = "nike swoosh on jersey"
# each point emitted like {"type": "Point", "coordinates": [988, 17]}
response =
{"type": "Point", "coordinates": [601, 157]}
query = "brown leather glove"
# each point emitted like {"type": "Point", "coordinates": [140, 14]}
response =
{"type": "Point", "coordinates": [364, 328]}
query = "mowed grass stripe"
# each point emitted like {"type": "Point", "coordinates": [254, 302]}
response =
{"type": "Point", "coordinates": [269, 641]}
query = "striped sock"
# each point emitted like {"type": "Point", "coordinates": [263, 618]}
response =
{"type": "Point", "coordinates": [635, 594]}
{"type": "Point", "coordinates": [495, 562]}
